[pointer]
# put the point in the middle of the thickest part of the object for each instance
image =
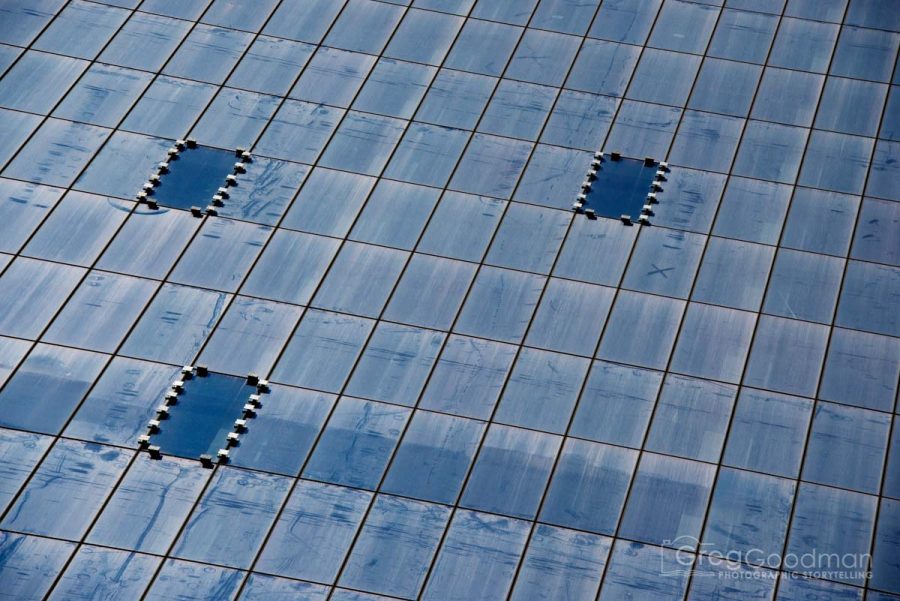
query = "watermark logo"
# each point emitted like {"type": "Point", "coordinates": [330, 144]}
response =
{"type": "Point", "coordinates": [739, 563]}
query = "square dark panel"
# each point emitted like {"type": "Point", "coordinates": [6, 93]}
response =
{"type": "Point", "coordinates": [194, 176]}
{"type": "Point", "coordinates": [200, 421]}
{"type": "Point", "coordinates": [621, 187]}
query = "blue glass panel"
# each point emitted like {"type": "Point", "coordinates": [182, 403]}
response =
{"type": "Point", "coordinates": [395, 214]}
{"type": "Point", "coordinates": [145, 42]}
{"type": "Point", "coordinates": [748, 517]}
{"type": "Point", "coordinates": [690, 200]}
{"type": "Point", "coordinates": [291, 267]}
{"type": "Point", "coordinates": [836, 161]}
{"type": "Point", "coordinates": [395, 364]}
{"type": "Point", "coordinates": [725, 86]}
{"type": "Point", "coordinates": [394, 88]}
{"type": "Point", "coordinates": [566, 16]}
{"type": "Point", "coordinates": [462, 226]}
{"type": "Point", "coordinates": [877, 235]}
{"type": "Point", "coordinates": [188, 581]}
{"type": "Point", "coordinates": [543, 57]}
{"type": "Point", "coordinates": [884, 170]}
{"type": "Point", "coordinates": [664, 77]}
{"type": "Point", "coordinates": [804, 45]}
{"type": "Point", "coordinates": [250, 336]}
{"type": "Point", "coordinates": [78, 229]}
{"type": "Point", "coordinates": [885, 572]}
{"type": "Point", "coordinates": [478, 559]}
{"type": "Point", "coordinates": [643, 129]}
{"type": "Point", "coordinates": [706, 141]}
{"type": "Point", "coordinates": [733, 273]}
{"type": "Point", "coordinates": [424, 37]}
{"type": "Point", "coordinates": [29, 565]}
{"type": "Point", "coordinates": [820, 222]}
{"type": "Point", "coordinates": [483, 47]}
{"type": "Point", "coordinates": [541, 391]}
{"type": "Point", "coordinates": [330, 516]}
{"type": "Point", "coordinates": [333, 75]}
{"type": "Point", "coordinates": [67, 490]}
{"type": "Point", "coordinates": [561, 564]}
{"type": "Point", "coordinates": [23, 20]}
{"type": "Point", "coordinates": [641, 329]}
{"type": "Point", "coordinates": [31, 292]}
{"type": "Point", "coordinates": [102, 310]}
{"type": "Point", "coordinates": [250, 499]}
{"type": "Point", "coordinates": [713, 343]}
{"type": "Point", "coordinates": [753, 210]}
{"type": "Point", "coordinates": [511, 471]}
{"type": "Point", "coordinates": [221, 255]}
{"type": "Point", "coordinates": [151, 503]}
{"type": "Point", "coordinates": [718, 580]}
{"type": "Point", "coordinates": [20, 452]}
{"type": "Point", "coordinates": [103, 95]}
{"type": "Point", "coordinates": [778, 84]}
{"type": "Point", "coordinates": [626, 21]}
{"type": "Point", "coordinates": [363, 143]}
{"type": "Point", "coordinates": [169, 107]}
{"type": "Point", "coordinates": [427, 154]}
{"type": "Point", "coordinates": [829, 521]}
{"type": "Point", "coordinates": [329, 202]}
{"type": "Point", "coordinates": [684, 27]}
{"type": "Point", "coordinates": [868, 298]}
{"type": "Point", "coordinates": [283, 431]}
{"type": "Point", "coordinates": [364, 26]}
{"type": "Point", "coordinates": [603, 68]}
{"type": "Point", "coordinates": [691, 418]}
{"type": "Point", "coordinates": [667, 501]}
{"type": "Point", "coordinates": [500, 10]}
{"type": "Point", "coordinates": [804, 286]}
{"type": "Point", "coordinates": [770, 151]}
{"type": "Point", "coordinates": [491, 166]}
{"type": "Point", "coordinates": [129, 252]}
{"type": "Point", "coordinates": [204, 414]}
{"type": "Point", "coordinates": [601, 238]}
{"type": "Point", "coordinates": [123, 400]}
{"type": "Point", "coordinates": [23, 206]}
{"type": "Point", "coordinates": [304, 20]}
{"type": "Point", "coordinates": [861, 369]}
{"type": "Point", "coordinates": [122, 166]}
{"type": "Point", "coordinates": [270, 65]}
{"type": "Point", "coordinates": [323, 350]}
{"type": "Point", "coordinates": [299, 131]}
{"type": "Point", "coordinates": [570, 317]}
{"type": "Point", "coordinates": [616, 404]}
{"type": "Point", "coordinates": [846, 447]}
{"type": "Point", "coordinates": [95, 572]}
{"type": "Point", "coordinates": [38, 80]}
{"type": "Point", "coordinates": [768, 432]}
{"type": "Point", "coordinates": [57, 152]}
{"type": "Point", "coordinates": [518, 110]}
{"type": "Point", "coordinates": [194, 177]}
{"type": "Point", "coordinates": [468, 377]}
{"type": "Point", "coordinates": [529, 238]}
{"type": "Point", "coordinates": [642, 573]}
{"type": "Point", "coordinates": [434, 457]}
{"type": "Point", "coordinates": [265, 191]}
{"type": "Point", "coordinates": [500, 304]}
{"type": "Point", "coordinates": [664, 262]}
{"type": "Point", "coordinates": [47, 387]}
{"type": "Point", "coordinates": [589, 485]}
{"type": "Point", "coordinates": [579, 120]}
{"type": "Point", "coordinates": [208, 54]}
{"type": "Point", "coordinates": [235, 118]}
{"type": "Point", "coordinates": [786, 355]}
{"type": "Point", "coordinates": [797, 588]}
{"type": "Point", "coordinates": [395, 547]}
{"type": "Point", "coordinates": [268, 588]}
{"type": "Point", "coordinates": [239, 15]}
{"type": "Point", "coordinates": [176, 324]}
{"type": "Point", "coordinates": [456, 98]}
{"type": "Point", "coordinates": [865, 54]}
{"type": "Point", "coordinates": [360, 279]}
{"type": "Point", "coordinates": [430, 292]}
{"type": "Point", "coordinates": [357, 443]}
{"type": "Point", "coordinates": [852, 106]}
{"type": "Point", "coordinates": [183, 9]}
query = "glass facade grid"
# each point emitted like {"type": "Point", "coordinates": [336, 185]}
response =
{"type": "Point", "coordinates": [474, 392]}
